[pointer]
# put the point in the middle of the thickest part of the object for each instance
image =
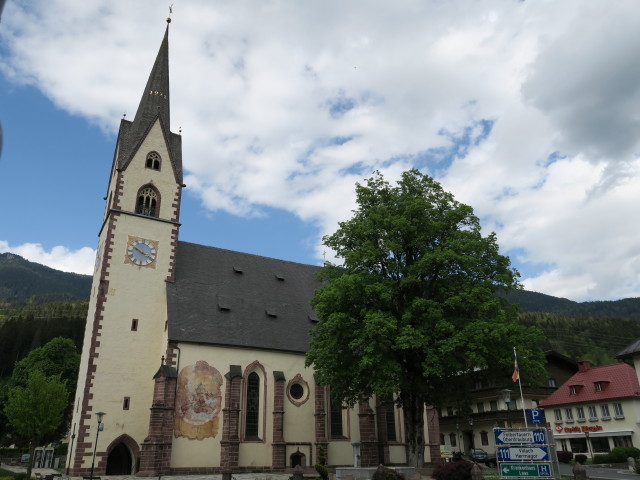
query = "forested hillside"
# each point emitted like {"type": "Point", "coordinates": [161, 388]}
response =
{"type": "Point", "coordinates": [539, 302]}
{"type": "Point", "coordinates": [23, 282]}
{"type": "Point", "coordinates": [584, 338]}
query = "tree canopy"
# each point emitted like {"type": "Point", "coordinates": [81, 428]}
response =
{"type": "Point", "coordinates": [412, 312]}
{"type": "Point", "coordinates": [57, 358]}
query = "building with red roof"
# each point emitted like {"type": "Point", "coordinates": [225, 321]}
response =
{"type": "Point", "coordinates": [597, 409]}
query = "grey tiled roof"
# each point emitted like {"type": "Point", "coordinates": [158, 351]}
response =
{"type": "Point", "coordinates": [629, 351]}
{"type": "Point", "coordinates": [231, 298]}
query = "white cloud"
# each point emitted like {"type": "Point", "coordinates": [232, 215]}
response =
{"type": "Point", "coordinates": [59, 257]}
{"type": "Point", "coordinates": [287, 105]}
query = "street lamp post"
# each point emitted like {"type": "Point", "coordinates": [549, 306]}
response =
{"type": "Point", "coordinates": [506, 396]}
{"type": "Point", "coordinates": [471, 426]}
{"type": "Point", "coordinates": [95, 446]}
{"type": "Point", "coordinates": [586, 434]}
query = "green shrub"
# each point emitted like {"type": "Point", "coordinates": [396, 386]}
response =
{"type": "Point", "coordinates": [323, 473]}
{"type": "Point", "coordinates": [581, 458]}
{"type": "Point", "coordinates": [384, 473]}
{"type": "Point", "coordinates": [453, 471]}
{"type": "Point", "coordinates": [620, 454]}
{"type": "Point", "coordinates": [565, 456]}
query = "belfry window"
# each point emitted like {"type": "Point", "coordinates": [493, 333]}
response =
{"type": "Point", "coordinates": [253, 407]}
{"type": "Point", "coordinates": [147, 202]}
{"type": "Point", "coordinates": [153, 161]}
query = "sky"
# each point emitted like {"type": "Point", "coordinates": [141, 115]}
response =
{"type": "Point", "coordinates": [528, 111]}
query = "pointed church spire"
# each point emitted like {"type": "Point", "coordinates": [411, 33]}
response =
{"type": "Point", "coordinates": [155, 98]}
{"type": "Point", "coordinates": [154, 104]}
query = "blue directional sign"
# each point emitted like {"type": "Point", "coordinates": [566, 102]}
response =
{"type": "Point", "coordinates": [523, 454]}
{"type": "Point", "coordinates": [515, 437]}
{"type": "Point", "coordinates": [535, 415]}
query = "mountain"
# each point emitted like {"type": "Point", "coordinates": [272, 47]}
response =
{"type": "Point", "coordinates": [23, 282]}
{"type": "Point", "coordinates": [628, 308]}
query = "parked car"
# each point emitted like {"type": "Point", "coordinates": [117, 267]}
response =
{"type": "Point", "coordinates": [478, 455]}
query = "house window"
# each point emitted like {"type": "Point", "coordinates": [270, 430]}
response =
{"type": "Point", "coordinates": [125, 403]}
{"type": "Point", "coordinates": [480, 406]}
{"type": "Point", "coordinates": [600, 444]}
{"type": "Point", "coordinates": [593, 413]}
{"type": "Point", "coordinates": [442, 439]}
{"type": "Point", "coordinates": [558, 414]}
{"type": "Point", "coordinates": [452, 439]}
{"type": "Point", "coordinates": [578, 445]}
{"type": "Point", "coordinates": [604, 408]}
{"type": "Point", "coordinates": [563, 445]}
{"type": "Point", "coordinates": [336, 419]}
{"type": "Point", "coordinates": [552, 382]}
{"type": "Point", "coordinates": [153, 161]}
{"type": "Point", "coordinates": [449, 411]}
{"type": "Point", "coordinates": [252, 414]}
{"type": "Point", "coordinates": [580, 414]}
{"type": "Point", "coordinates": [493, 405]}
{"type": "Point", "coordinates": [568, 413]}
{"type": "Point", "coordinates": [484, 438]}
{"type": "Point", "coordinates": [147, 202]}
{"type": "Point", "coordinates": [617, 410]}
{"type": "Point", "coordinates": [573, 390]}
{"type": "Point", "coordinates": [134, 325]}
{"type": "Point", "coordinates": [622, 442]}
{"type": "Point", "coordinates": [390, 418]}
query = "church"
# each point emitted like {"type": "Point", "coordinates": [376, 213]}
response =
{"type": "Point", "coordinates": [194, 356]}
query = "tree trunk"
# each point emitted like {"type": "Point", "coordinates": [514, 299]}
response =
{"type": "Point", "coordinates": [413, 408]}
{"type": "Point", "coordinates": [32, 451]}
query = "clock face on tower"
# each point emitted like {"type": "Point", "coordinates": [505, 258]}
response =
{"type": "Point", "coordinates": [141, 252]}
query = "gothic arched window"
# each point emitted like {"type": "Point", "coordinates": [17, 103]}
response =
{"type": "Point", "coordinates": [252, 417]}
{"type": "Point", "coordinates": [147, 202]}
{"type": "Point", "coordinates": [153, 161]}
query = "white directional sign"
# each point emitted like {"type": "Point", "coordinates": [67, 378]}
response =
{"type": "Point", "coordinates": [532, 453]}
{"type": "Point", "coordinates": [505, 437]}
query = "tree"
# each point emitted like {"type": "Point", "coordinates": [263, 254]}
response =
{"type": "Point", "coordinates": [59, 358]}
{"type": "Point", "coordinates": [37, 409]}
{"type": "Point", "coordinates": [412, 312]}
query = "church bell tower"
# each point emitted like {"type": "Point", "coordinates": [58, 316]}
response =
{"type": "Point", "coordinates": [125, 334]}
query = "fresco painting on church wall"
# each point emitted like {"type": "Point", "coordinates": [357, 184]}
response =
{"type": "Point", "coordinates": [198, 401]}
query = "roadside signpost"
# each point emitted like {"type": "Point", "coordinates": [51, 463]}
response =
{"type": "Point", "coordinates": [527, 470]}
{"type": "Point", "coordinates": [532, 436]}
{"type": "Point", "coordinates": [523, 453]}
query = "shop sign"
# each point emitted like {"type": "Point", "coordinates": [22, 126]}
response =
{"type": "Point", "coordinates": [580, 429]}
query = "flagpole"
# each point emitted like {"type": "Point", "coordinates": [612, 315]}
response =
{"type": "Point", "coordinates": [524, 410]}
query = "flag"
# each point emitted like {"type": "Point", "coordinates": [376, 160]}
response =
{"type": "Point", "coordinates": [516, 371]}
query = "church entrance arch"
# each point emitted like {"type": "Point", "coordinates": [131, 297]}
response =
{"type": "Point", "coordinates": [121, 455]}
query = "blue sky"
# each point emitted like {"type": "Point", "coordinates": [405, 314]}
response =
{"type": "Point", "coordinates": [526, 111]}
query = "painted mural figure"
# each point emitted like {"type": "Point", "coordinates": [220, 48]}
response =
{"type": "Point", "coordinates": [198, 402]}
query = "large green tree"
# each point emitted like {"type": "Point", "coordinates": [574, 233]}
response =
{"type": "Point", "coordinates": [412, 312]}
{"type": "Point", "coordinates": [58, 357]}
{"type": "Point", "coordinates": [37, 409]}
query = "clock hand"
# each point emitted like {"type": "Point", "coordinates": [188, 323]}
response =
{"type": "Point", "coordinates": [138, 248]}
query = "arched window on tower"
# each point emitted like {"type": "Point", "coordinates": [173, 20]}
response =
{"type": "Point", "coordinates": [251, 426]}
{"type": "Point", "coordinates": [147, 202]}
{"type": "Point", "coordinates": [153, 161]}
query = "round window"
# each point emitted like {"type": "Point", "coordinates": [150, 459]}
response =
{"type": "Point", "coordinates": [296, 391]}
